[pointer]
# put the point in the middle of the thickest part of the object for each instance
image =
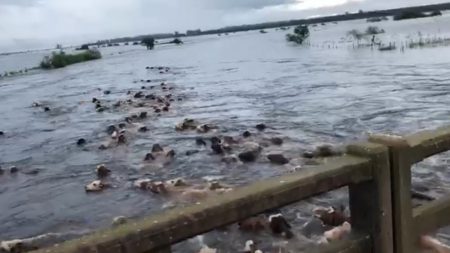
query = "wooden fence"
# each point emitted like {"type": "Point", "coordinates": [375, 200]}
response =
{"type": "Point", "coordinates": [377, 173]}
{"type": "Point", "coordinates": [410, 223]}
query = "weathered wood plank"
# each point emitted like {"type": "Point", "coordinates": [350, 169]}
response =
{"type": "Point", "coordinates": [422, 145]}
{"type": "Point", "coordinates": [179, 224]}
{"type": "Point", "coordinates": [428, 143]}
{"type": "Point", "coordinates": [404, 240]}
{"type": "Point", "coordinates": [371, 202]}
{"type": "Point", "coordinates": [432, 216]}
{"type": "Point", "coordinates": [354, 244]}
{"type": "Point", "coordinates": [400, 162]}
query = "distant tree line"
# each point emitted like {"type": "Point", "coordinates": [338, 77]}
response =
{"type": "Point", "coordinates": [433, 9]}
{"type": "Point", "coordinates": [416, 14]}
{"type": "Point", "coordinates": [150, 42]}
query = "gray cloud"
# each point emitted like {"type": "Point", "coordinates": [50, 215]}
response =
{"type": "Point", "coordinates": [18, 2]}
{"type": "Point", "coordinates": [43, 23]}
{"type": "Point", "coordinates": [244, 4]}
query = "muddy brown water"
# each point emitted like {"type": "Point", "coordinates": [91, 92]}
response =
{"type": "Point", "coordinates": [326, 93]}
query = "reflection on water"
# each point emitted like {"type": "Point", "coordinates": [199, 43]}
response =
{"type": "Point", "coordinates": [307, 95]}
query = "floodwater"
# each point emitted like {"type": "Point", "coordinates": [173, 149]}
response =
{"type": "Point", "coordinates": [328, 92]}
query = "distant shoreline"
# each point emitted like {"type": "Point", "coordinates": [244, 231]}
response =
{"type": "Point", "coordinates": [23, 51]}
{"type": "Point", "coordinates": [333, 18]}
{"type": "Point", "coordinates": [294, 22]}
{"type": "Point", "coordinates": [269, 25]}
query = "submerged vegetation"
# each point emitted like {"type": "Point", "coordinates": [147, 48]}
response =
{"type": "Point", "coordinates": [370, 31]}
{"type": "Point", "coordinates": [428, 42]}
{"type": "Point", "coordinates": [357, 35]}
{"type": "Point", "coordinates": [389, 47]}
{"type": "Point", "coordinates": [176, 41]}
{"type": "Point", "coordinates": [61, 59]}
{"type": "Point", "coordinates": [83, 47]}
{"type": "Point", "coordinates": [14, 73]}
{"type": "Point", "coordinates": [149, 42]}
{"type": "Point", "coordinates": [373, 30]}
{"type": "Point", "coordinates": [301, 33]}
{"type": "Point", "coordinates": [370, 40]}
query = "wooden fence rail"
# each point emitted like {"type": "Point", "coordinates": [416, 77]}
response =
{"type": "Point", "coordinates": [377, 173]}
{"type": "Point", "coordinates": [410, 223]}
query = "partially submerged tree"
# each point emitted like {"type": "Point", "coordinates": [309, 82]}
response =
{"type": "Point", "coordinates": [301, 33]}
{"type": "Point", "coordinates": [357, 35]}
{"type": "Point", "coordinates": [177, 41]}
{"type": "Point", "coordinates": [83, 47]}
{"type": "Point", "coordinates": [372, 30]}
{"type": "Point", "coordinates": [149, 42]}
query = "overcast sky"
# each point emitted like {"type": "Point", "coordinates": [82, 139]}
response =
{"type": "Point", "coordinates": [27, 24]}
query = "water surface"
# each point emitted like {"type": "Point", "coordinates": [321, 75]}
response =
{"type": "Point", "coordinates": [328, 92]}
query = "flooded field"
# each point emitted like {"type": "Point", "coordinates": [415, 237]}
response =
{"type": "Point", "coordinates": [328, 92]}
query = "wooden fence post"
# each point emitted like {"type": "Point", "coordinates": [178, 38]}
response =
{"type": "Point", "coordinates": [403, 227]}
{"type": "Point", "coordinates": [370, 202]}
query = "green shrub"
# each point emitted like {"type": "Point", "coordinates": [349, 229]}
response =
{"type": "Point", "coordinates": [372, 30]}
{"type": "Point", "coordinates": [356, 34]}
{"type": "Point", "coordinates": [301, 33]}
{"type": "Point", "coordinates": [46, 63]}
{"type": "Point", "coordinates": [149, 42]}
{"type": "Point", "coordinates": [294, 38]}
{"type": "Point", "coordinates": [61, 59]}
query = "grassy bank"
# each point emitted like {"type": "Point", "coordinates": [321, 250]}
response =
{"type": "Point", "coordinates": [61, 59]}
